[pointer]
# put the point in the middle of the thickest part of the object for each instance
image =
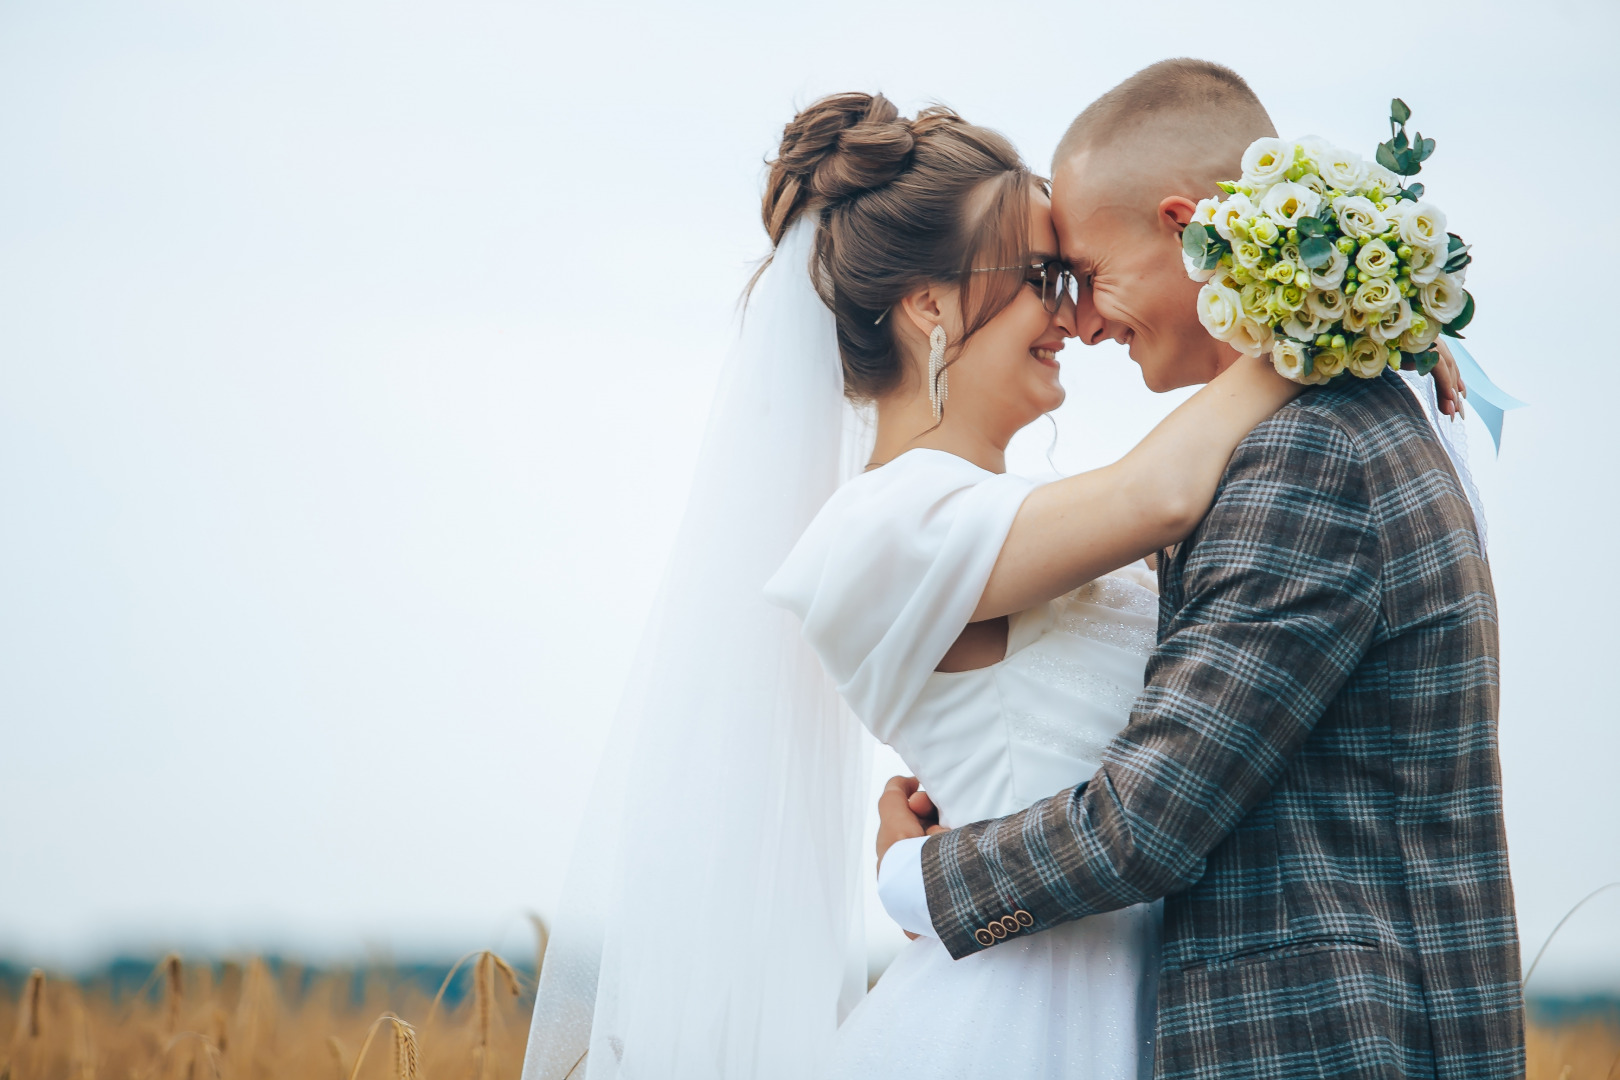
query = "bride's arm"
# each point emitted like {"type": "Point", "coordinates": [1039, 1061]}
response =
{"type": "Point", "coordinates": [1073, 530]}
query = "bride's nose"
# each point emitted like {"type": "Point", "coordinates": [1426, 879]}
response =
{"type": "Point", "coordinates": [1066, 318]}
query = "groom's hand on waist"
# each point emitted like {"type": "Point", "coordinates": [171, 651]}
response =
{"type": "Point", "coordinates": [904, 813]}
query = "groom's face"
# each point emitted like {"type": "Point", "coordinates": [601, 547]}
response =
{"type": "Point", "coordinates": [1126, 253]}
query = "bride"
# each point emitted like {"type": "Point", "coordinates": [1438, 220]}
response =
{"type": "Point", "coordinates": [979, 624]}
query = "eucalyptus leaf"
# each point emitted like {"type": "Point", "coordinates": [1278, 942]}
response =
{"type": "Point", "coordinates": [1315, 251]}
{"type": "Point", "coordinates": [1464, 318]}
{"type": "Point", "coordinates": [1455, 242]}
{"type": "Point", "coordinates": [1309, 365]}
{"type": "Point", "coordinates": [1194, 238]}
{"type": "Point", "coordinates": [1425, 147]}
{"type": "Point", "coordinates": [1416, 190]}
{"type": "Point", "coordinates": [1398, 111]}
{"type": "Point", "coordinates": [1309, 226]}
{"type": "Point", "coordinates": [1386, 157]}
{"type": "Point", "coordinates": [1457, 262]}
{"type": "Point", "coordinates": [1399, 141]}
{"type": "Point", "coordinates": [1425, 361]}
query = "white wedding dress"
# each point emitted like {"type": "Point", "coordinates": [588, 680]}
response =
{"type": "Point", "coordinates": [884, 580]}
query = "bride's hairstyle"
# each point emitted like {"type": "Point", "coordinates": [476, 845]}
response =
{"type": "Point", "coordinates": [901, 204]}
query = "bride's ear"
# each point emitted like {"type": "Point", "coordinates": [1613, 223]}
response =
{"type": "Point", "coordinates": [925, 309]}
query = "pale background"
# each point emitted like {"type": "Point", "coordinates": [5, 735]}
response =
{"type": "Point", "coordinates": [353, 358]}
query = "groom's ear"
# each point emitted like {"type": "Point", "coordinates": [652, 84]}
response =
{"type": "Point", "coordinates": [1175, 211]}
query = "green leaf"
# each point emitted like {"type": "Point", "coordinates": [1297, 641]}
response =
{"type": "Point", "coordinates": [1457, 262]}
{"type": "Point", "coordinates": [1309, 365]}
{"type": "Point", "coordinates": [1454, 242]}
{"type": "Point", "coordinates": [1309, 226]}
{"type": "Point", "coordinates": [1415, 191]}
{"type": "Point", "coordinates": [1399, 141]}
{"type": "Point", "coordinates": [1202, 245]}
{"type": "Point", "coordinates": [1398, 111]}
{"type": "Point", "coordinates": [1425, 361]}
{"type": "Point", "coordinates": [1386, 157]}
{"type": "Point", "coordinates": [1425, 147]}
{"type": "Point", "coordinates": [1315, 251]}
{"type": "Point", "coordinates": [1464, 318]}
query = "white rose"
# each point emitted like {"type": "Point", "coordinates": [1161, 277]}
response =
{"type": "Point", "coordinates": [1314, 182]}
{"type": "Point", "coordinates": [1341, 169]}
{"type": "Point", "coordinates": [1266, 162]}
{"type": "Point", "coordinates": [1358, 217]}
{"type": "Point", "coordinates": [1219, 309]}
{"type": "Point", "coordinates": [1425, 264]}
{"type": "Point", "coordinates": [1194, 272]}
{"type": "Point", "coordinates": [1443, 298]}
{"type": "Point", "coordinates": [1264, 231]}
{"type": "Point", "coordinates": [1326, 304]}
{"type": "Point", "coordinates": [1376, 260]}
{"type": "Point", "coordinates": [1303, 325]}
{"type": "Point", "coordinates": [1366, 358]}
{"type": "Point", "coordinates": [1354, 322]}
{"type": "Point", "coordinates": [1287, 202]}
{"type": "Point", "coordinates": [1422, 224]}
{"type": "Point", "coordinates": [1331, 274]}
{"type": "Point", "coordinates": [1252, 338]}
{"type": "Point", "coordinates": [1249, 255]}
{"type": "Point", "coordinates": [1375, 297]}
{"type": "Point", "coordinates": [1256, 300]}
{"type": "Point", "coordinates": [1391, 324]}
{"type": "Point", "coordinates": [1420, 335]}
{"type": "Point", "coordinates": [1380, 180]}
{"type": "Point", "coordinates": [1234, 208]}
{"type": "Point", "coordinates": [1313, 146]}
{"type": "Point", "coordinates": [1204, 212]}
{"type": "Point", "coordinates": [1288, 357]}
{"type": "Point", "coordinates": [1328, 362]}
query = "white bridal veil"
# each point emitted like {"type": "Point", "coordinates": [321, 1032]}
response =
{"type": "Point", "coordinates": [711, 921]}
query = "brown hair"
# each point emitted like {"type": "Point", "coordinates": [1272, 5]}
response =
{"type": "Point", "coordinates": [1201, 92]}
{"type": "Point", "coordinates": [901, 204]}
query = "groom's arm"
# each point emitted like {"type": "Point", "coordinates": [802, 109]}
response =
{"type": "Point", "coordinates": [1279, 604]}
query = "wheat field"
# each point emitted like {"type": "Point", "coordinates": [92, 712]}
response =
{"type": "Point", "coordinates": [249, 1021]}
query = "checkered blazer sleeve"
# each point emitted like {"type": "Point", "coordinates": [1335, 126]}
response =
{"type": "Point", "coordinates": [1279, 600]}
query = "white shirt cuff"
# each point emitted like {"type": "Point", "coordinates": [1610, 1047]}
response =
{"type": "Point", "coordinates": [900, 886]}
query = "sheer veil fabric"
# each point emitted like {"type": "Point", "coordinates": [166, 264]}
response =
{"type": "Point", "coordinates": [711, 924]}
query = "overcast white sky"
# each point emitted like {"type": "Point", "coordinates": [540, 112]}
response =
{"type": "Point", "coordinates": [353, 358]}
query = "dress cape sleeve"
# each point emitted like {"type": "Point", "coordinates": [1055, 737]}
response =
{"type": "Point", "coordinates": [890, 570]}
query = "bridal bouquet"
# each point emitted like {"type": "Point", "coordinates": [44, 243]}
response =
{"type": "Point", "coordinates": [1327, 262]}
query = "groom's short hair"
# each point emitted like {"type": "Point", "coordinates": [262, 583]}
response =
{"type": "Point", "coordinates": [1181, 98]}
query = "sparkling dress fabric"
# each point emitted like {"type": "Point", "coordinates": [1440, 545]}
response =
{"type": "Point", "coordinates": [884, 580]}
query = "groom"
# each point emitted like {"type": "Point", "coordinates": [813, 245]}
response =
{"type": "Point", "coordinates": [1310, 777]}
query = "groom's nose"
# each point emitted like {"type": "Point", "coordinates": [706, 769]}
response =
{"type": "Point", "coordinates": [1089, 325]}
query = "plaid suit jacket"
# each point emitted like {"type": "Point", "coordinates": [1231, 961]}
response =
{"type": "Point", "coordinates": [1310, 777]}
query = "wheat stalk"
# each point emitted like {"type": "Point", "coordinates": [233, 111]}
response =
{"type": "Point", "coordinates": [174, 982]}
{"type": "Point", "coordinates": [404, 1047]}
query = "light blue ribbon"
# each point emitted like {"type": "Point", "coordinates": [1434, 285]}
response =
{"type": "Point", "coordinates": [1487, 399]}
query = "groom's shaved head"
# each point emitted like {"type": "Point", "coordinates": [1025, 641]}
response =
{"type": "Point", "coordinates": [1183, 123]}
{"type": "Point", "coordinates": [1126, 180]}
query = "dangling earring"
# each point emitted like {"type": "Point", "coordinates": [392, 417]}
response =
{"type": "Point", "coordinates": [938, 377]}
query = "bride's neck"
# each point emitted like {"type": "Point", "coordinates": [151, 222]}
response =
{"type": "Point", "coordinates": [909, 425]}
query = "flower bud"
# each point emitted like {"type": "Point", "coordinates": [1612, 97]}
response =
{"type": "Point", "coordinates": [1323, 340]}
{"type": "Point", "coordinates": [1338, 341]}
{"type": "Point", "coordinates": [1352, 274]}
{"type": "Point", "coordinates": [1347, 245]}
{"type": "Point", "coordinates": [1350, 287]}
{"type": "Point", "coordinates": [1293, 236]}
{"type": "Point", "coordinates": [1404, 251]}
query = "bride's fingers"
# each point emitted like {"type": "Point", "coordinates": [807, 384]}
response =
{"type": "Point", "coordinates": [933, 829]}
{"type": "Point", "coordinates": [921, 804]}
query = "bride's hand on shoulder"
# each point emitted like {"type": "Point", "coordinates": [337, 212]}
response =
{"type": "Point", "coordinates": [1449, 388]}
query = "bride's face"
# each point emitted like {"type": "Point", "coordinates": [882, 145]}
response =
{"type": "Point", "coordinates": [1007, 374]}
